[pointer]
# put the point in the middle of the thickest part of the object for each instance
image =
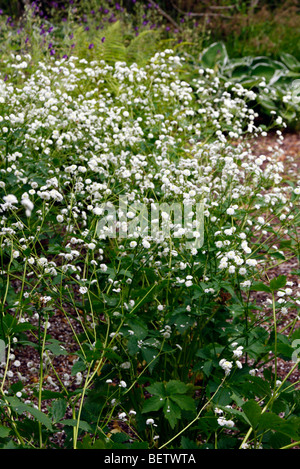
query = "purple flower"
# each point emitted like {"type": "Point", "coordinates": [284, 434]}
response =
{"type": "Point", "coordinates": [52, 52]}
{"type": "Point", "coordinates": [103, 39]}
{"type": "Point", "coordinates": [65, 56]}
{"type": "Point", "coordinates": [91, 46]}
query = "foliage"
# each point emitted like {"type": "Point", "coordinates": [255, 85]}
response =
{"type": "Point", "coordinates": [175, 343]}
{"type": "Point", "coordinates": [276, 83]}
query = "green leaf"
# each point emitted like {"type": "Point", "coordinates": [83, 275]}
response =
{"type": "Point", "coordinates": [153, 404]}
{"type": "Point", "coordinates": [4, 431]}
{"type": "Point", "coordinates": [187, 444]}
{"type": "Point", "coordinates": [290, 61]}
{"type": "Point", "coordinates": [215, 53]}
{"type": "Point", "coordinates": [252, 411]}
{"type": "Point", "coordinates": [176, 387]}
{"type": "Point", "coordinates": [278, 440]}
{"type": "Point", "coordinates": [73, 423]}
{"type": "Point", "coordinates": [263, 70]}
{"type": "Point", "coordinates": [55, 347]}
{"type": "Point", "coordinates": [87, 443]}
{"type": "Point", "coordinates": [157, 389]}
{"type": "Point", "coordinates": [260, 286]}
{"type": "Point", "coordinates": [278, 282]}
{"type": "Point", "coordinates": [271, 421]}
{"type": "Point", "coordinates": [78, 366]}
{"type": "Point", "coordinates": [184, 402]}
{"type": "Point", "coordinates": [20, 407]}
{"type": "Point", "coordinates": [171, 412]}
{"type": "Point", "coordinates": [59, 408]}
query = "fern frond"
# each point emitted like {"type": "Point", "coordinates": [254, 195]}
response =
{"type": "Point", "coordinates": [142, 47]}
{"type": "Point", "coordinates": [113, 48]}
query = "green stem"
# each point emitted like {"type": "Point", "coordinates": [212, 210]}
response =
{"type": "Point", "coordinates": [196, 418]}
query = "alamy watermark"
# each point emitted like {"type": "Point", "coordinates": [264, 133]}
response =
{"type": "Point", "coordinates": [156, 221]}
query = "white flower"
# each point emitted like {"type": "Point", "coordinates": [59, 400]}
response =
{"type": "Point", "coordinates": [230, 211]}
{"type": "Point", "coordinates": [132, 244]}
{"type": "Point", "coordinates": [146, 244]}
{"type": "Point", "coordinates": [238, 352]}
{"type": "Point", "coordinates": [149, 422]}
{"type": "Point", "coordinates": [83, 290]}
{"type": "Point", "coordinates": [125, 365]}
{"type": "Point", "coordinates": [225, 423]}
{"type": "Point", "coordinates": [10, 199]}
{"type": "Point", "coordinates": [251, 262]}
{"type": "Point", "coordinates": [226, 365]}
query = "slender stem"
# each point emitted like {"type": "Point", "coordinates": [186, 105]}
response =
{"type": "Point", "coordinates": [275, 338]}
{"type": "Point", "coordinates": [197, 417]}
{"type": "Point", "coordinates": [41, 378]}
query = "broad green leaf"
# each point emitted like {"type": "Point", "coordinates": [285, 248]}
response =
{"type": "Point", "coordinates": [263, 70]}
{"type": "Point", "coordinates": [176, 387]}
{"type": "Point", "coordinates": [4, 431]}
{"type": "Point", "coordinates": [153, 404]}
{"type": "Point", "coordinates": [20, 407]}
{"type": "Point", "coordinates": [157, 389]}
{"type": "Point", "coordinates": [73, 423]}
{"type": "Point", "coordinates": [278, 282]}
{"type": "Point", "coordinates": [252, 411]}
{"type": "Point", "coordinates": [290, 61]}
{"type": "Point", "coordinates": [78, 366]}
{"type": "Point", "coordinates": [271, 421]}
{"type": "Point", "coordinates": [171, 412]}
{"type": "Point", "coordinates": [59, 408]}
{"type": "Point", "coordinates": [215, 53]}
{"type": "Point", "coordinates": [187, 444]}
{"type": "Point", "coordinates": [260, 286]}
{"type": "Point", "coordinates": [183, 402]}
